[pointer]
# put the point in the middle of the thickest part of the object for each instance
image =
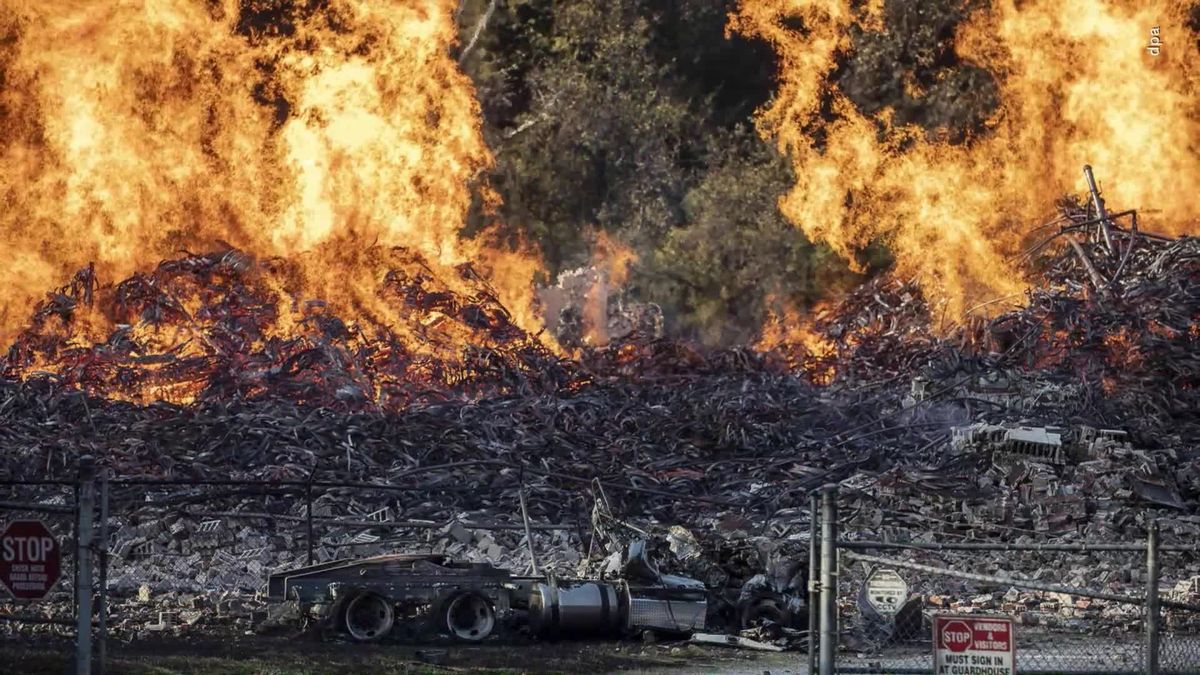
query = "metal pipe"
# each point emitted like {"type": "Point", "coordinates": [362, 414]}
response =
{"type": "Point", "coordinates": [678, 496]}
{"type": "Point", "coordinates": [1072, 227]}
{"type": "Point", "coordinates": [371, 524]}
{"type": "Point", "coordinates": [75, 547]}
{"type": "Point", "coordinates": [814, 543]}
{"type": "Point", "coordinates": [83, 556]}
{"type": "Point", "coordinates": [35, 508]}
{"type": "Point", "coordinates": [983, 546]}
{"type": "Point", "coordinates": [829, 628]}
{"type": "Point", "coordinates": [1098, 279]}
{"type": "Point", "coordinates": [1129, 246]}
{"type": "Point", "coordinates": [528, 534]}
{"type": "Point", "coordinates": [1098, 201]}
{"type": "Point", "coordinates": [1015, 581]}
{"type": "Point", "coordinates": [1153, 616]}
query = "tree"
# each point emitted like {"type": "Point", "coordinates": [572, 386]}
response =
{"type": "Point", "coordinates": [636, 117]}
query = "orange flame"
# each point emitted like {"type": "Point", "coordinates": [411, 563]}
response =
{"type": "Point", "coordinates": [611, 259]}
{"type": "Point", "coordinates": [133, 130]}
{"type": "Point", "coordinates": [1077, 85]}
{"type": "Point", "coordinates": [791, 333]}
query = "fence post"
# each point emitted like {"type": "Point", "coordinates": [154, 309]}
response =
{"type": "Point", "coordinates": [308, 521]}
{"type": "Point", "coordinates": [1153, 615]}
{"type": "Point", "coordinates": [83, 558]}
{"type": "Point", "coordinates": [75, 547]}
{"type": "Point", "coordinates": [829, 628]}
{"type": "Point", "coordinates": [102, 602]}
{"type": "Point", "coordinates": [814, 569]}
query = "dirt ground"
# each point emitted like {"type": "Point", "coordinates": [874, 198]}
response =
{"type": "Point", "coordinates": [281, 655]}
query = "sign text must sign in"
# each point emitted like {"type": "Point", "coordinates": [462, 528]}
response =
{"type": "Point", "coordinates": [974, 645]}
{"type": "Point", "coordinates": [30, 559]}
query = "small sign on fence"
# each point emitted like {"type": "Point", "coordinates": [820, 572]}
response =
{"type": "Point", "coordinates": [886, 591]}
{"type": "Point", "coordinates": [974, 645]}
{"type": "Point", "coordinates": [30, 559]}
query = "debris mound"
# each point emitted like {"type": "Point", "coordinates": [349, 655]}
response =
{"type": "Point", "coordinates": [1068, 417]}
{"type": "Point", "coordinates": [224, 326]}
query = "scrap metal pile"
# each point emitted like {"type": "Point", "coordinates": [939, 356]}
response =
{"type": "Point", "coordinates": [465, 408]}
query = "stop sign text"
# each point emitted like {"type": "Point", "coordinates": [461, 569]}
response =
{"type": "Point", "coordinates": [30, 559]}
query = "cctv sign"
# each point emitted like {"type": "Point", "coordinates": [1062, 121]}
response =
{"type": "Point", "coordinates": [974, 645]}
{"type": "Point", "coordinates": [886, 591]}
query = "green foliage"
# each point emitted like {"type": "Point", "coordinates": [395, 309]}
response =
{"type": "Point", "coordinates": [912, 68]}
{"type": "Point", "coordinates": [636, 117]}
{"type": "Point", "coordinates": [737, 250]}
{"type": "Point", "coordinates": [589, 130]}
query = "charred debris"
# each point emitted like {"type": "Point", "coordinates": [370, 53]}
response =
{"type": "Point", "coordinates": [1066, 418]}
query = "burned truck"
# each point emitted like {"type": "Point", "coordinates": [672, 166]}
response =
{"type": "Point", "coordinates": [424, 596]}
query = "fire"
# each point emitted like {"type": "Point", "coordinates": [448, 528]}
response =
{"type": "Point", "coordinates": [1122, 348]}
{"type": "Point", "coordinates": [611, 260]}
{"type": "Point", "coordinates": [1077, 86]}
{"type": "Point", "coordinates": [309, 131]}
{"type": "Point", "coordinates": [792, 333]}
{"type": "Point", "coordinates": [226, 325]}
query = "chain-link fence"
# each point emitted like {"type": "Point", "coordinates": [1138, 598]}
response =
{"type": "Point", "coordinates": [165, 555]}
{"type": "Point", "coordinates": [1074, 606]}
{"type": "Point", "coordinates": [1058, 629]}
{"type": "Point", "coordinates": [53, 505]}
{"type": "Point", "coordinates": [1179, 633]}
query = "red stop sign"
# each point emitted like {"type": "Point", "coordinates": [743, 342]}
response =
{"type": "Point", "coordinates": [30, 559]}
{"type": "Point", "coordinates": [957, 636]}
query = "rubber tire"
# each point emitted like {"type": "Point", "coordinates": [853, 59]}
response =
{"type": "Point", "coordinates": [387, 618]}
{"type": "Point", "coordinates": [486, 617]}
{"type": "Point", "coordinates": [762, 608]}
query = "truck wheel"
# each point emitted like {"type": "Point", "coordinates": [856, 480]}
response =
{"type": "Point", "coordinates": [368, 617]}
{"type": "Point", "coordinates": [760, 610]}
{"type": "Point", "coordinates": [470, 617]}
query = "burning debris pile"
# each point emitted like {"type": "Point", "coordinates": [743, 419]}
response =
{"type": "Point", "coordinates": [225, 326]}
{"type": "Point", "coordinates": [1062, 419]}
{"type": "Point", "coordinates": [1116, 324]}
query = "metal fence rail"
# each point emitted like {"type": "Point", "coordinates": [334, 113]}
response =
{"type": "Point", "coordinates": [1160, 633]}
{"type": "Point", "coordinates": [1060, 628]}
{"type": "Point", "coordinates": [66, 520]}
{"type": "Point", "coordinates": [82, 520]}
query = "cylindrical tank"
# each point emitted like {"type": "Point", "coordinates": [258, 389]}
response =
{"type": "Point", "coordinates": [587, 608]}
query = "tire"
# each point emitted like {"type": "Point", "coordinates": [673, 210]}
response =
{"type": "Point", "coordinates": [469, 617]}
{"type": "Point", "coordinates": [762, 609]}
{"type": "Point", "coordinates": [368, 617]}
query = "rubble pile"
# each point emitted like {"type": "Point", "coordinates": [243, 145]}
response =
{"type": "Point", "coordinates": [225, 326]}
{"type": "Point", "coordinates": [1062, 420]}
{"type": "Point", "coordinates": [1125, 353]}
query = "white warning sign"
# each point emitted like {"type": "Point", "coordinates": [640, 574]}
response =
{"type": "Point", "coordinates": [886, 591]}
{"type": "Point", "coordinates": [974, 645]}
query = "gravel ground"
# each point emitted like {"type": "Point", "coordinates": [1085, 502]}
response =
{"type": "Point", "coordinates": [281, 655]}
